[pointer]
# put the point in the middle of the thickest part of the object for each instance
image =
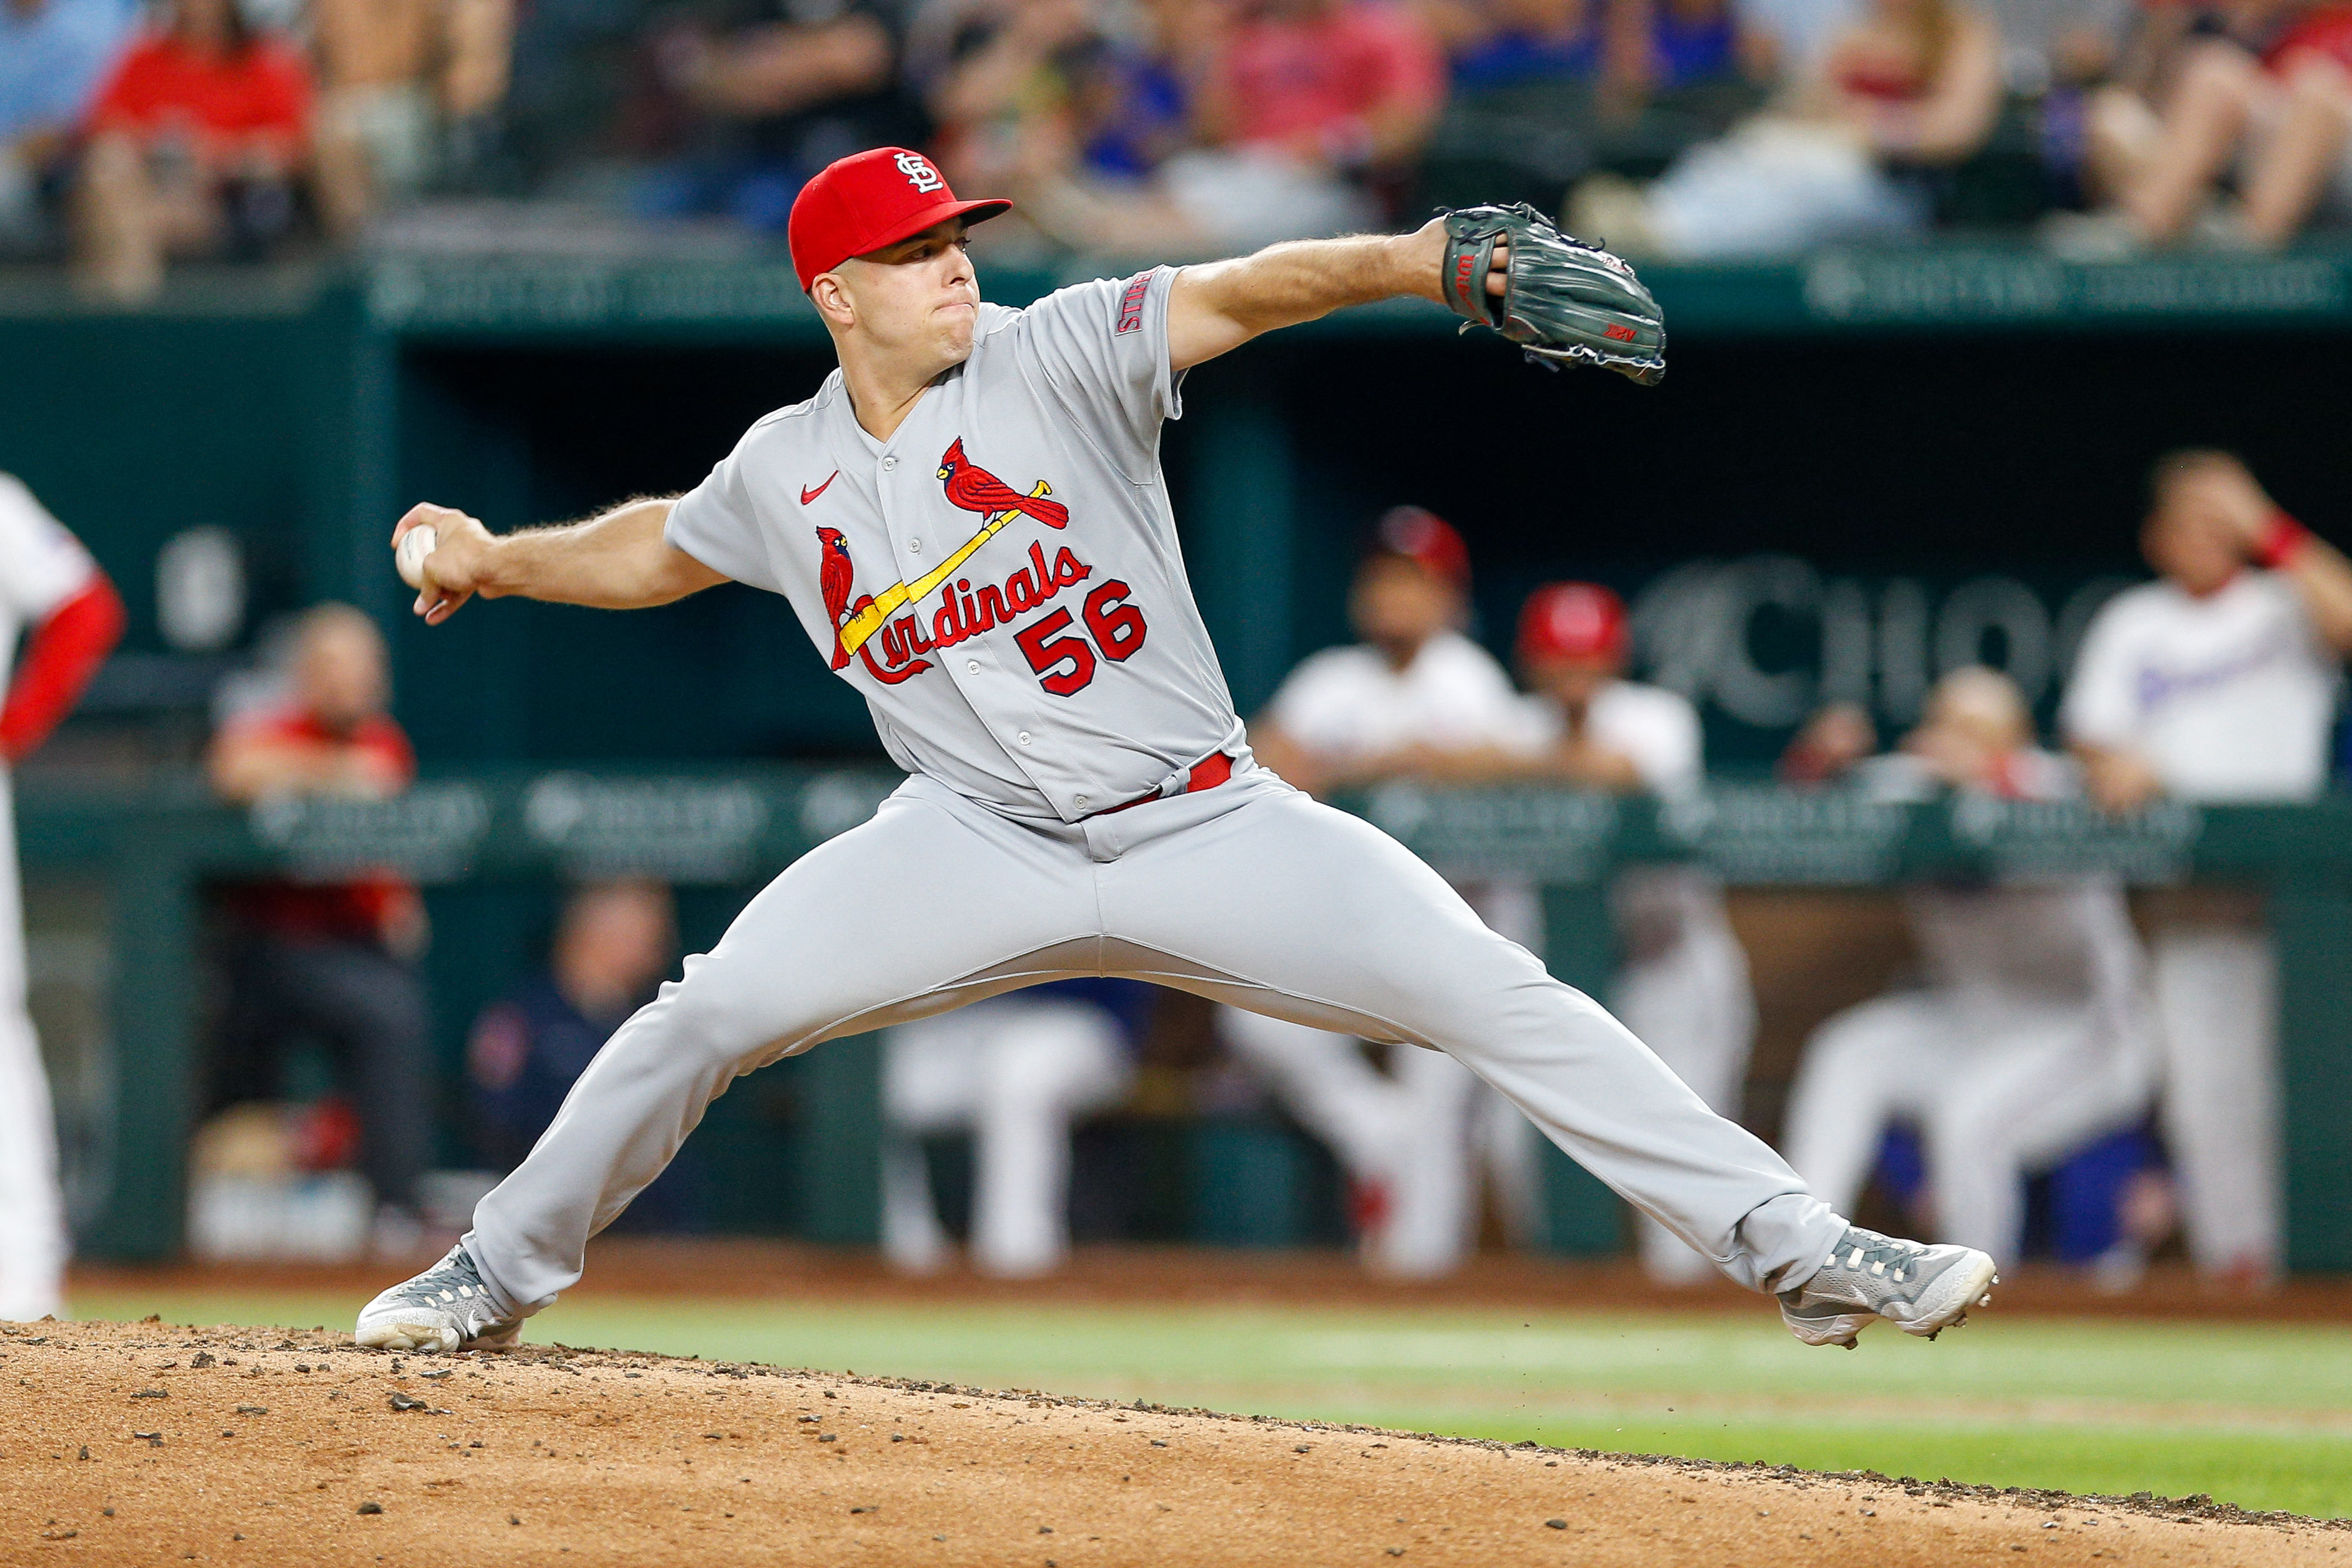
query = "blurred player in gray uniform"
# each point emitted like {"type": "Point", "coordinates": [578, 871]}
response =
{"type": "Point", "coordinates": [970, 520]}
{"type": "Point", "coordinates": [52, 592]}
{"type": "Point", "coordinates": [2031, 1035]}
{"type": "Point", "coordinates": [1414, 1140]}
{"type": "Point", "coordinates": [2217, 683]}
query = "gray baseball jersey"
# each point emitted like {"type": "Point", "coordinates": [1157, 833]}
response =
{"type": "Point", "coordinates": [1000, 579]}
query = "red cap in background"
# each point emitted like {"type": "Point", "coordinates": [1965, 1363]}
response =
{"type": "Point", "coordinates": [1572, 620]}
{"type": "Point", "coordinates": [1426, 539]}
{"type": "Point", "coordinates": [867, 200]}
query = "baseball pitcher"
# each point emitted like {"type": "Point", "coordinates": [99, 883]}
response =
{"type": "Point", "coordinates": [970, 520]}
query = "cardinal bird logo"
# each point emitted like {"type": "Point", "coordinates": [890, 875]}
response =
{"type": "Point", "coordinates": [969, 487]}
{"type": "Point", "coordinates": [974, 488]}
{"type": "Point", "coordinates": [835, 578]}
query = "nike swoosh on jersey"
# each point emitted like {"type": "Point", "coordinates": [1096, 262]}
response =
{"type": "Point", "coordinates": [808, 495]}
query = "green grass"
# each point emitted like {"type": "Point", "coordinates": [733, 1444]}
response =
{"type": "Point", "coordinates": [2260, 1414]}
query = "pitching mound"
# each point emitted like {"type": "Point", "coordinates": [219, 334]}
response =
{"type": "Point", "coordinates": [148, 1442]}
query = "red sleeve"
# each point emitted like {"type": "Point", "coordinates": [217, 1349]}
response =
{"type": "Point", "coordinates": [128, 98]}
{"type": "Point", "coordinates": [389, 741]}
{"type": "Point", "coordinates": [281, 92]}
{"type": "Point", "coordinates": [65, 651]}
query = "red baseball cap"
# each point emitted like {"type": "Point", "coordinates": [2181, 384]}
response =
{"type": "Point", "coordinates": [867, 200]}
{"type": "Point", "coordinates": [1426, 539]}
{"type": "Point", "coordinates": [1571, 620]}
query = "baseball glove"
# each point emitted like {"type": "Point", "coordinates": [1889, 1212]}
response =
{"type": "Point", "coordinates": [1565, 302]}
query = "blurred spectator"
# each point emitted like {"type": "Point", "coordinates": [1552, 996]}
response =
{"type": "Point", "coordinates": [999, 77]}
{"type": "Point", "coordinates": [53, 55]}
{"type": "Point", "coordinates": [1789, 38]}
{"type": "Point", "coordinates": [1524, 76]}
{"type": "Point", "coordinates": [1914, 86]}
{"type": "Point", "coordinates": [1133, 108]}
{"type": "Point", "coordinates": [50, 589]}
{"type": "Point", "coordinates": [2028, 1039]}
{"type": "Point", "coordinates": [332, 960]}
{"type": "Point", "coordinates": [406, 89]}
{"type": "Point", "coordinates": [614, 942]}
{"type": "Point", "coordinates": [195, 146]}
{"type": "Point", "coordinates": [2217, 683]}
{"type": "Point", "coordinates": [1076, 117]}
{"type": "Point", "coordinates": [1698, 69]}
{"type": "Point", "coordinates": [2055, 57]}
{"type": "Point", "coordinates": [1309, 114]}
{"type": "Point", "coordinates": [1015, 1071]}
{"type": "Point", "coordinates": [1412, 697]}
{"type": "Point", "coordinates": [2272, 109]}
{"type": "Point", "coordinates": [2049, 44]}
{"type": "Point", "coordinates": [1682, 984]}
{"type": "Point", "coordinates": [1312, 101]}
{"type": "Point", "coordinates": [770, 100]}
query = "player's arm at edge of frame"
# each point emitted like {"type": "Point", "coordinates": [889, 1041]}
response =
{"type": "Point", "coordinates": [618, 560]}
{"type": "Point", "coordinates": [1218, 306]}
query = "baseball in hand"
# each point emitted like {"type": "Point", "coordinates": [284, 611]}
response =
{"type": "Point", "coordinates": [415, 546]}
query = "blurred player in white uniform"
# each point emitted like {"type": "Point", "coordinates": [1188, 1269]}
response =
{"type": "Point", "coordinates": [52, 592]}
{"type": "Point", "coordinates": [1015, 1071]}
{"type": "Point", "coordinates": [1413, 1141]}
{"type": "Point", "coordinates": [2032, 1034]}
{"type": "Point", "coordinates": [2217, 683]}
{"type": "Point", "coordinates": [1682, 983]}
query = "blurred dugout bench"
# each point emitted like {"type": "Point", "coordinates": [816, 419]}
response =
{"type": "Point", "coordinates": [140, 866]}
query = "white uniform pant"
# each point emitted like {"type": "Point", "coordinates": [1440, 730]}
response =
{"type": "Point", "coordinates": [1684, 990]}
{"type": "Point", "coordinates": [1250, 894]}
{"type": "Point", "coordinates": [2217, 1009]}
{"type": "Point", "coordinates": [33, 1244]}
{"type": "Point", "coordinates": [1014, 1072]}
{"type": "Point", "coordinates": [1999, 1094]}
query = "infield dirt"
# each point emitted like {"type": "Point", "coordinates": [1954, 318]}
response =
{"type": "Point", "coordinates": [149, 1442]}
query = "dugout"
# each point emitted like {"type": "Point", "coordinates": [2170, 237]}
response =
{"type": "Point", "coordinates": [1848, 445]}
{"type": "Point", "coordinates": [1861, 470]}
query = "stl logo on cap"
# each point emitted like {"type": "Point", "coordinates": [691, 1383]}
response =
{"type": "Point", "coordinates": [858, 205]}
{"type": "Point", "coordinates": [919, 172]}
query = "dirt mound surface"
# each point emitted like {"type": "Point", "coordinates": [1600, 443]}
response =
{"type": "Point", "coordinates": [150, 1442]}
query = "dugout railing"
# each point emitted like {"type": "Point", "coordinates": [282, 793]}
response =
{"type": "Point", "coordinates": [726, 828]}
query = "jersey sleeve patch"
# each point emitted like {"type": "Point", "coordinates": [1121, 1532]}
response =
{"type": "Point", "coordinates": [1130, 302]}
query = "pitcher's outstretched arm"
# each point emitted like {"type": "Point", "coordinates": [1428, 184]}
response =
{"type": "Point", "coordinates": [617, 560]}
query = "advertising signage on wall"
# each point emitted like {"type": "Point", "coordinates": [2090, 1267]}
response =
{"type": "Point", "coordinates": [1762, 642]}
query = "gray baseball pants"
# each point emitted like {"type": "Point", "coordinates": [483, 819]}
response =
{"type": "Point", "coordinates": [1250, 894]}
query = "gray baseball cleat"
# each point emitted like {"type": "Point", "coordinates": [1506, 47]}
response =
{"type": "Point", "coordinates": [1927, 1290]}
{"type": "Point", "coordinates": [446, 1308]}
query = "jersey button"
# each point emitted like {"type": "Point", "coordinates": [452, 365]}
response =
{"type": "Point", "coordinates": [1022, 737]}
{"type": "Point", "coordinates": [1082, 800]}
{"type": "Point", "coordinates": [889, 464]}
{"type": "Point", "coordinates": [914, 547]}
{"type": "Point", "coordinates": [972, 667]}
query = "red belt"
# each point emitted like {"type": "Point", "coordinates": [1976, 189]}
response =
{"type": "Point", "coordinates": [1207, 774]}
